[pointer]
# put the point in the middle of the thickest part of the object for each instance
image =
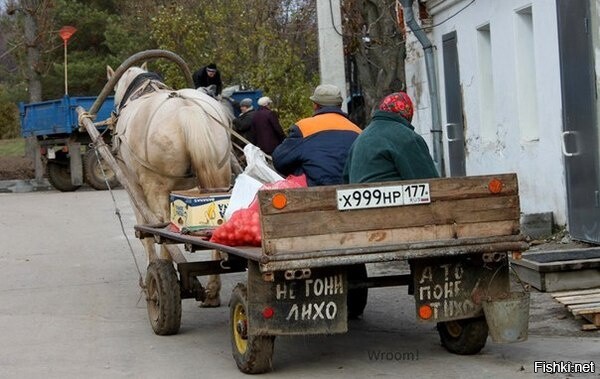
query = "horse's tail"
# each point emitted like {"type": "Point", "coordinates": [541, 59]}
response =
{"type": "Point", "coordinates": [207, 144]}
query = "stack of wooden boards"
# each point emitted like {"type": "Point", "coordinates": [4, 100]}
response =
{"type": "Point", "coordinates": [583, 304]}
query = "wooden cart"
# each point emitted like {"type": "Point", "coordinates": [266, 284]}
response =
{"type": "Point", "coordinates": [309, 274]}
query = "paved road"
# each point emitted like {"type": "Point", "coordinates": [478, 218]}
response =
{"type": "Point", "coordinates": [70, 308]}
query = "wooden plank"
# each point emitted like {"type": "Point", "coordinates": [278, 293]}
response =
{"type": "Point", "coordinates": [441, 189]}
{"type": "Point", "coordinates": [583, 306]}
{"type": "Point", "coordinates": [595, 319]}
{"type": "Point", "coordinates": [383, 237]}
{"type": "Point", "coordinates": [588, 309]}
{"type": "Point", "coordinates": [568, 299]}
{"type": "Point", "coordinates": [573, 293]}
{"type": "Point", "coordinates": [586, 327]}
{"type": "Point", "coordinates": [502, 208]}
{"type": "Point", "coordinates": [576, 307]}
{"type": "Point", "coordinates": [580, 299]}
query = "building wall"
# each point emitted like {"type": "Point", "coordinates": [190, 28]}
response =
{"type": "Point", "coordinates": [510, 79]}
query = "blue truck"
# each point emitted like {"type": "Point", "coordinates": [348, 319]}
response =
{"type": "Point", "coordinates": [64, 148]}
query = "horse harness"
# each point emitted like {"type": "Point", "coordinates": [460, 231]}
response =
{"type": "Point", "coordinates": [143, 84]}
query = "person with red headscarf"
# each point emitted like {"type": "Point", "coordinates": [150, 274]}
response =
{"type": "Point", "coordinates": [389, 149]}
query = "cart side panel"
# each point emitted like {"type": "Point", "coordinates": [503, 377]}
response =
{"type": "Point", "coordinates": [45, 118]}
{"type": "Point", "coordinates": [453, 287]}
{"type": "Point", "coordinates": [315, 304]}
{"type": "Point", "coordinates": [58, 117]}
{"type": "Point", "coordinates": [460, 208]}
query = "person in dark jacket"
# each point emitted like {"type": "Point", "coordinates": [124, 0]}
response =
{"type": "Point", "coordinates": [318, 146]}
{"type": "Point", "coordinates": [243, 123]}
{"type": "Point", "coordinates": [389, 149]}
{"type": "Point", "coordinates": [207, 76]}
{"type": "Point", "coordinates": [267, 130]}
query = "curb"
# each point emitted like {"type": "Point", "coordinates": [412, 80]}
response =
{"type": "Point", "coordinates": [27, 185]}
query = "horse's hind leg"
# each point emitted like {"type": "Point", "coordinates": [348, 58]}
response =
{"type": "Point", "coordinates": [159, 204]}
{"type": "Point", "coordinates": [213, 287]}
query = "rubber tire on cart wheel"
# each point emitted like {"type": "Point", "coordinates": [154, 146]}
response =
{"type": "Point", "coordinates": [163, 297]}
{"type": "Point", "coordinates": [59, 175]}
{"type": "Point", "coordinates": [93, 172]}
{"type": "Point", "coordinates": [252, 354]}
{"type": "Point", "coordinates": [463, 337]}
{"type": "Point", "coordinates": [357, 298]}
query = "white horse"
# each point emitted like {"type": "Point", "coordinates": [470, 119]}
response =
{"type": "Point", "coordinates": [170, 140]}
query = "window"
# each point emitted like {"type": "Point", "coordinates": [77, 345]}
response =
{"type": "Point", "coordinates": [526, 83]}
{"type": "Point", "coordinates": [486, 83]}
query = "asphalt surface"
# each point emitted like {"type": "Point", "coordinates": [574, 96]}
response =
{"type": "Point", "coordinates": [71, 307]}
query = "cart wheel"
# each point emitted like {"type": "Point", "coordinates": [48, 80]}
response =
{"type": "Point", "coordinates": [464, 337]}
{"type": "Point", "coordinates": [357, 298]}
{"type": "Point", "coordinates": [252, 354]}
{"type": "Point", "coordinates": [59, 175]}
{"type": "Point", "coordinates": [94, 172]}
{"type": "Point", "coordinates": [163, 297]}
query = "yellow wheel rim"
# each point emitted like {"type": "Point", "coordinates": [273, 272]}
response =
{"type": "Point", "coordinates": [240, 325]}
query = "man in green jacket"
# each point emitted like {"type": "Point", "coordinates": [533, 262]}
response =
{"type": "Point", "coordinates": [389, 149]}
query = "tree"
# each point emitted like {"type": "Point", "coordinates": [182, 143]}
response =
{"type": "Point", "coordinates": [264, 44]}
{"type": "Point", "coordinates": [33, 18]}
{"type": "Point", "coordinates": [375, 45]}
{"type": "Point", "coordinates": [253, 46]}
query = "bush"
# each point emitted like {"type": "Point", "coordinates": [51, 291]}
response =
{"type": "Point", "coordinates": [9, 120]}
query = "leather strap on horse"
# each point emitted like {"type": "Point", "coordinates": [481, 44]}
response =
{"type": "Point", "coordinates": [140, 81]}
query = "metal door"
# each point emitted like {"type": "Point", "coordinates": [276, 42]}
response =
{"type": "Point", "coordinates": [580, 132]}
{"type": "Point", "coordinates": [454, 107]}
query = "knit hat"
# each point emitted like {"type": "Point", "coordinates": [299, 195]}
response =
{"type": "Point", "coordinates": [211, 67]}
{"type": "Point", "coordinates": [398, 102]}
{"type": "Point", "coordinates": [327, 95]}
{"type": "Point", "coordinates": [247, 102]}
{"type": "Point", "coordinates": [265, 101]}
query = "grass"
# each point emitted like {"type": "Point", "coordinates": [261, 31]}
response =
{"type": "Point", "coordinates": [12, 147]}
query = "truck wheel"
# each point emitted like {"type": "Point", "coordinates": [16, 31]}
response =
{"type": "Point", "coordinates": [59, 175]}
{"type": "Point", "coordinates": [94, 172]}
{"type": "Point", "coordinates": [163, 297]}
{"type": "Point", "coordinates": [463, 337]}
{"type": "Point", "coordinates": [357, 298]}
{"type": "Point", "coordinates": [252, 354]}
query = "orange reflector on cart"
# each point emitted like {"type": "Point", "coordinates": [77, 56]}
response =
{"type": "Point", "coordinates": [495, 186]}
{"type": "Point", "coordinates": [268, 312]}
{"type": "Point", "coordinates": [279, 201]}
{"type": "Point", "coordinates": [425, 312]}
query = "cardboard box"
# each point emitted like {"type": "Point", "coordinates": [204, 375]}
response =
{"type": "Point", "coordinates": [192, 210]}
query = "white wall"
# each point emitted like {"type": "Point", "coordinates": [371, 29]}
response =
{"type": "Point", "coordinates": [506, 148]}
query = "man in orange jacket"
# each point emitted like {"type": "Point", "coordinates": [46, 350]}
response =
{"type": "Point", "coordinates": [317, 146]}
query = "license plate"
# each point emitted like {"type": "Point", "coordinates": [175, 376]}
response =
{"type": "Point", "coordinates": [383, 196]}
